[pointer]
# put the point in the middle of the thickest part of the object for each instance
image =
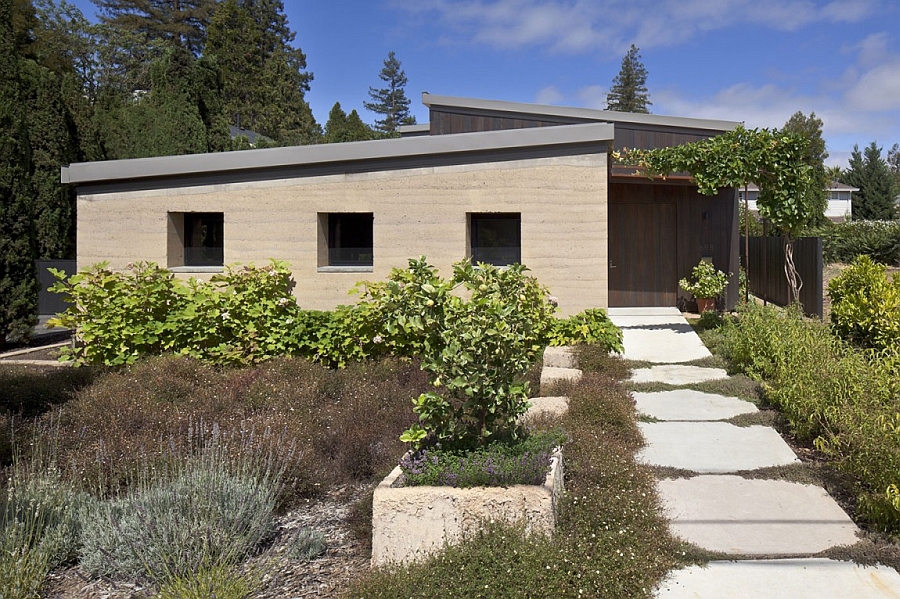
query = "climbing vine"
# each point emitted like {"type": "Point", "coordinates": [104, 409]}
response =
{"type": "Point", "coordinates": [771, 159]}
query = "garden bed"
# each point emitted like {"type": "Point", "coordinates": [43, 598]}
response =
{"type": "Point", "coordinates": [409, 523]}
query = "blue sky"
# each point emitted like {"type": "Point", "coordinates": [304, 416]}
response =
{"type": "Point", "coordinates": [756, 61]}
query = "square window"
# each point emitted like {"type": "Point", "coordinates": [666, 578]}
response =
{"type": "Point", "coordinates": [347, 239]}
{"type": "Point", "coordinates": [196, 239]}
{"type": "Point", "coordinates": [496, 238]}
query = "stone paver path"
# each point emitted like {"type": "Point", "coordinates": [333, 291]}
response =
{"type": "Point", "coordinates": [720, 511]}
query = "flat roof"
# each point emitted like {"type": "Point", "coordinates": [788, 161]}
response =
{"type": "Point", "coordinates": [577, 113]}
{"type": "Point", "coordinates": [270, 158]}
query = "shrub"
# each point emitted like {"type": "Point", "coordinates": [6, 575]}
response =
{"type": "Point", "coordinates": [879, 240]}
{"type": "Point", "coordinates": [210, 510]}
{"type": "Point", "coordinates": [219, 580]}
{"type": "Point", "coordinates": [590, 326]}
{"type": "Point", "coordinates": [865, 305]}
{"type": "Point", "coordinates": [485, 344]}
{"type": "Point", "coordinates": [305, 544]}
{"type": "Point", "coordinates": [706, 282]}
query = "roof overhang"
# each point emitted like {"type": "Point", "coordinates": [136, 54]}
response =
{"type": "Point", "coordinates": [333, 154]}
{"type": "Point", "coordinates": [585, 114]}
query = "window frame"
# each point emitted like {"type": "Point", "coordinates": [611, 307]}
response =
{"type": "Point", "coordinates": [332, 231]}
{"type": "Point", "coordinates": [476, 234]}
{"type": "Point", "coordinates": [183, 227]}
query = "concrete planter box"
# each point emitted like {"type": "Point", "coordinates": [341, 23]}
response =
{"type": "Point", "coordinates": [408, 523]}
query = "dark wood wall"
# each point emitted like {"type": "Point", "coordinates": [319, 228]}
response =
{"type": "Point", "coordinates": [705, 226]}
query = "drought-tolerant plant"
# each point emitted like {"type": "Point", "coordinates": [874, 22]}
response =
{"type": "Point", "coordinates": [498, 464]}
{"type": "Point", "coordinates": [486, 341]}
{"type": "Point", "coordinates": [213, 508]}
{"type": "Point", "coordinates": [591, 326]}
{"type": "Point", "coordinates": [305, 544]}
{"type": "Point", "coordinates": [706, 282]}
{"type": "Point", "coordinates": [865, 305]}
{"type": "Point", "coordinates": [219, 580]}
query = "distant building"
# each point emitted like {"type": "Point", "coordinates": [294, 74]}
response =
{"type": "Point", "coordinates": [838, 210]}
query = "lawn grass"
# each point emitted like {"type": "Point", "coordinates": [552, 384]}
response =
{"type": "Point", "coordinates": [612, 540]}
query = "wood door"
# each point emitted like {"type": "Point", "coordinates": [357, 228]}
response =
{"type": "Point", "coordinates": [642, 255]}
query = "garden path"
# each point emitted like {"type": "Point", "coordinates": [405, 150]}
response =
{"type": "Point", "coordinates": [773, 529]}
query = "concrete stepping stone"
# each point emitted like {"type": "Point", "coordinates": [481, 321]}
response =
{"type": "Point", "coordinates": [657, 335]}
{"type": "Point", "coordinates": [738, 516]}
{"type": "Point", "coordinates": [675, 374]}
{"type": "Point", "coordinates": [687, 404]}
{"type": "Point", "coordinates": [562, 356]}
{"type": "Point", "coordinates": [713, 447]}
{"type": "Point", "coordinates": [550, 375]}
{"type": "Point", "coordinates": [781, 579]}
{"type": "Point", "coordinates": [556, 406]}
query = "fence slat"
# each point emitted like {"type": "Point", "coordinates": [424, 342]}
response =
{"type": "Point", "coordinates": [765, 271]}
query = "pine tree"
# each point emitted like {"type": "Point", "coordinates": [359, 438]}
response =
{"type": "Point", "coordinates": [810, 128]}
{"type": "Point", "coordinates": [870, 173]}
{"type": "Point", "coordinates": [18, 280]}
{"type": "Point", "coordinates": [342, 127]}
{"type": "Point", "coordinates": [182, 22]}
{"type": "Point", "coordinates": [629, 89]}
{"type": "Point", "coordinates": [391, 101]}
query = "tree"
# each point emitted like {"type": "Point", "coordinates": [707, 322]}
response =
{"type": "Point", "coordinates": [264, 78]}
{"type": "Point", "coordinates": [18, 280]}
{"type": "Point", "coordinates": [182, 22]}
{"type": "Point", "coordinates": [629, 89]}
{"type": "Point", "coordinates": [774, 160]}
{"type": "Point", "coordinates": [893, 160]}
{"type": "Point", "coordinates": [391, 101]}
{"type": "Point", "coordinates": [810, 128]}
{"type": "Point", "coordinates": [870, 173]}
{"type": "Point", "coordinates": [342, 128]}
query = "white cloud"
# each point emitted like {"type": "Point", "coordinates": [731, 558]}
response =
{"type": "Point", "coordinates": [549, 95]}
{"type": "Point", "coordinates": [593, 96]}
{"type": "Point", "coordinates": [877, 89]}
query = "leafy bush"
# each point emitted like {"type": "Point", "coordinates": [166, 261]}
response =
{"type": "Point", "coordinates": [212, 509]}
{"type": "Point", "coordinates": [590, 326]}
{"type": "Point", "coordinates": [499, 464]}
{"type": "Point", "coordinates": [844, 399]}
{"type": "Point", "coordinates": [241, 316]}
{"type": "Point", "coordinates": [865, 305]}
{"type": "Point", "coordinates": [879, 240]}
{"type": "Point", "coordinates": [706, 281]}
{"type": "Point", "coordinates": [221, 581]}
{"type": "Point", "coordinates": [480, 348]}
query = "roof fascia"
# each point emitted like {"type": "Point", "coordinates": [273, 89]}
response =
{"type": "Point", "coordinates": [268, 158]}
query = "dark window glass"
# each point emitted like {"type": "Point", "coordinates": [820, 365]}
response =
{"type": "Point", "coordinates": [496, 238]}
{"type": "Point", "coordinates": [350, 239]}
{"type": "Point", "coordinates": [203, 239]}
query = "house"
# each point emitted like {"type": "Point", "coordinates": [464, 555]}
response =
{"type": "Point", "coordinates": [494, 181]}
{"type": "Point", "coordinates": [838, 210]}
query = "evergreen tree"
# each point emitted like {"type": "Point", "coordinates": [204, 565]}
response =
{"type": "Point", "coordinates": [264, 78]}
{"type": "Point", "coordinates": [342, 128]}
{"type": "Point", "coordinates": [893, 160]}
{"type": "Point", "coordinates": [391, 101]}
{"type": "Point", "coordinates": [629, 89]}
{"type": "Point", "coordinates": [18, 280]}
{"type": "Point", "coordinates": [181, 22]}
{"type": "Point", "coordinates": [810, 128]}
{"type": "Point", "coordinates": [870, 173]}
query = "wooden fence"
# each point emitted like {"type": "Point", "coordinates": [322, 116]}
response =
{"type": "Point", "coordinates": [765, 271]}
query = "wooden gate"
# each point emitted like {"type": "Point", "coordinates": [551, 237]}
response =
{"type": "Point", "coordinates": [642, 254]}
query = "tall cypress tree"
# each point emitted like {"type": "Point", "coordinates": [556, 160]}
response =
{"type": "Point", "coordinates": [870, 173]}
{"type": "Point", "coordinates": [181, 22]}
{"type": "Point", "coordinates": [391, 101]}
{"type": "Point", "coordinates": [342, 127]}
{"type": "Point", "coordinates": [18, 280]}
{"type": "Point", "coordinates": [629, 89]}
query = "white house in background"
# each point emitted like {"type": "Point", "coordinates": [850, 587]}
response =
{"type": "Point", "coordinates": [838, 210]}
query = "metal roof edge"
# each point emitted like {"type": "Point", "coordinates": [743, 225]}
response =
{"type": "Point", "coordinates": [580, 113]}
{"type": "Point", "coordinates": [192, 164]}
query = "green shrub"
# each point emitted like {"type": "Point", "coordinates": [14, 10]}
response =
{"type": "Point", "coordinates": [879, 240]}
{"type": "Point", "coordinates": [842, 398]}
{"type": "Point", "coordinates": [865, 305]}
{"type": "Point", "coordinates": [211, 509]}
{"type": "Point", "coordinates": [218, 580]}
{"type": "Point", "coordinates": [244, 315]}
{"type": "Point", "coordinates": [305, 544]}
{"type": "Point", "coordinates": [590, 326]}
{"type": "Point", "coordinates": [706, 282]}
{"type": "Point", "coordinates": [477, 355]}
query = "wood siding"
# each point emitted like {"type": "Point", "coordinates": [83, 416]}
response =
{"type": "Point", "coordinates": [704, 226]}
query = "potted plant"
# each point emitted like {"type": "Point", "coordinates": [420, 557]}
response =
{"type": "Point", "coordinates": [706, 286]}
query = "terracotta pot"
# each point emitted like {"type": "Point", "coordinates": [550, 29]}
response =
{"type": "Point", "coordinates": [705, 304]}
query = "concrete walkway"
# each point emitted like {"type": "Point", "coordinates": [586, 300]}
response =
{"type": "Point", "coordinates": [717, 509]}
